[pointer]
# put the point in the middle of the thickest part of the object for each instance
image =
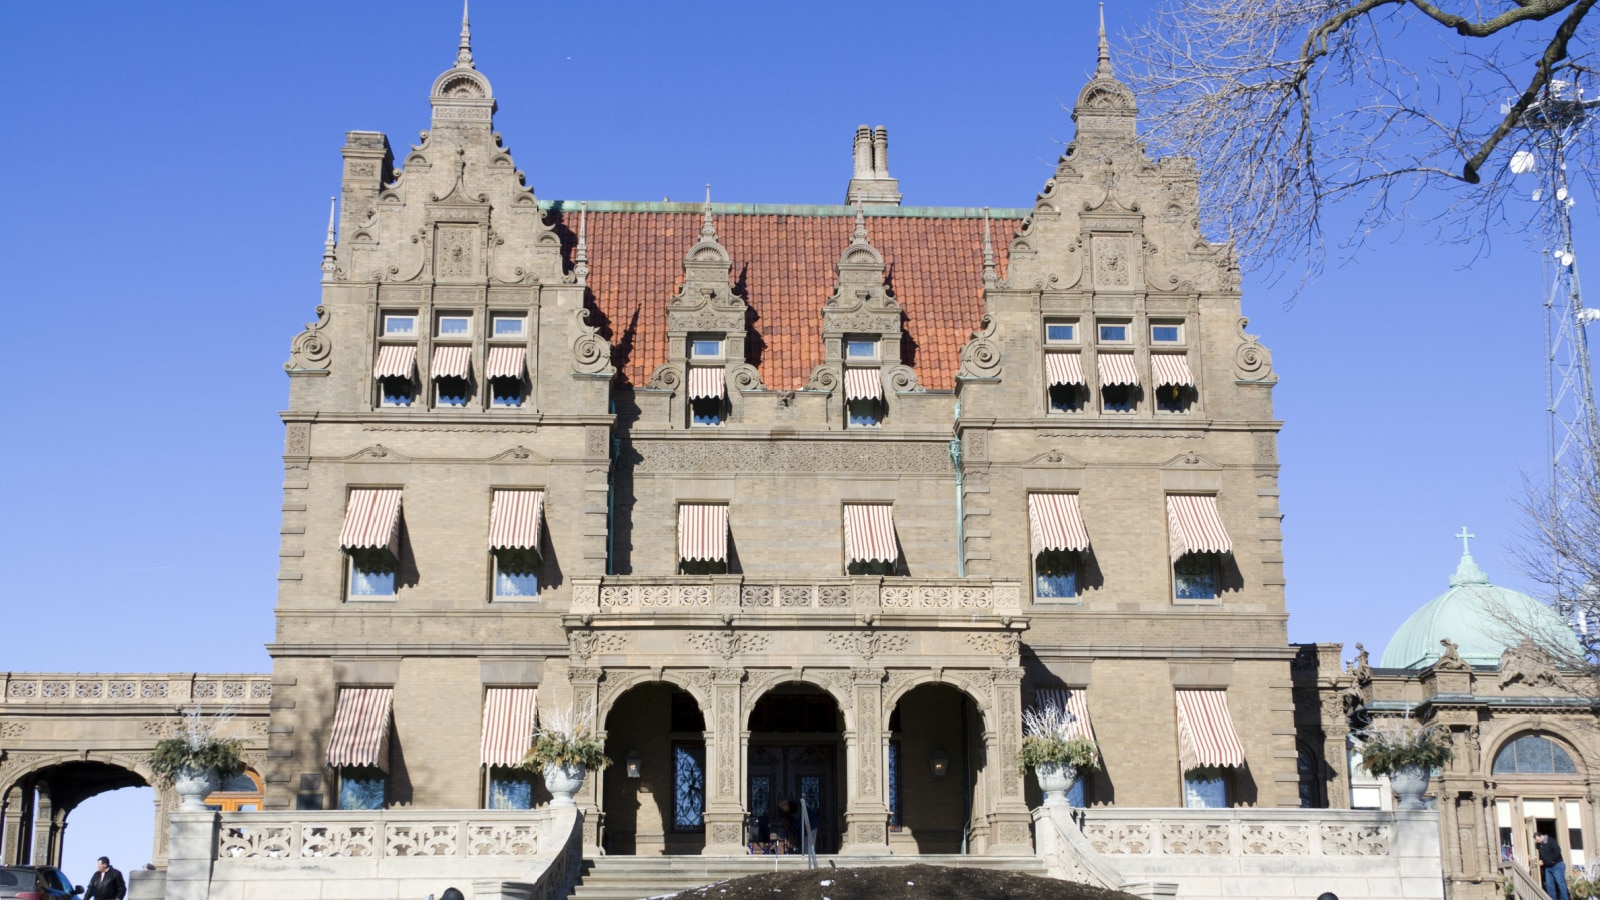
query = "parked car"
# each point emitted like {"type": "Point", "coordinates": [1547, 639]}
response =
{"type": "Point", "coordinates": [35, 883]}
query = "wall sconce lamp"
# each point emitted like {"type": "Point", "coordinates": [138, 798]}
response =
{"type": "Point", "coordinates": [635, 763]}
{"type": "Point", "coordinates": [940, 762]}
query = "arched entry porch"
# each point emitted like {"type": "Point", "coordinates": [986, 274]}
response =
{"type": "Point", "coordinates": [935, 766]}
{"type": "Point", "coordinates": [36, 804]}
{"type": "Point", "coordinates": [653, 796]}
{"type": "Point", "coordinates": [795, 742]}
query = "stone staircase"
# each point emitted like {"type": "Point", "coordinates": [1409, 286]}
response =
{"type": "Point", "coordinates": [637, 877]}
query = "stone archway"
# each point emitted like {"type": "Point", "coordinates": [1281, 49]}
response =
{"type": "Point", "coordinates": [796, 749]}
{"type": "Point", "coordinates": [935, 765]}
{"type": "Point", "coordinates": [658, 729]}
{"type": "Point", "coordinates": [40, 794]}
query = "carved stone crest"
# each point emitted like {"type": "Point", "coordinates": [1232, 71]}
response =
{"type": "Point", "coordinates": [867, 644]}
{"type": "Point", "coordinates": [1530, 665]}
{"type": "Point", "coordinates": [727, 644]}
{"type": "Point", "coordinates": [587, 643]}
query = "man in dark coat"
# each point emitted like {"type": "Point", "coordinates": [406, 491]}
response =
{"type": "Point", "coordinates": [106, 884]}
{"type": "Point", "coordinates": [1554, 867]}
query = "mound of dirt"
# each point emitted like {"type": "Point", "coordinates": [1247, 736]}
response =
{"type": "Point", "coordinates": [898, 883]}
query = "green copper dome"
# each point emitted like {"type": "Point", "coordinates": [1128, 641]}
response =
{"type": "Point", "coordinates": [1483, 620]}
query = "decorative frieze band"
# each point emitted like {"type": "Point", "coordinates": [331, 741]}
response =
{"type": "Point", "coordinates": [807, 456]}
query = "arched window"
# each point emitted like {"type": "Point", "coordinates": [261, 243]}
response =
{"type": "Point", "coordinates": [1533, 754]}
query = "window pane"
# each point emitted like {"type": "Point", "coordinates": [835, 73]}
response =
{"type": "Point", "coordinates": [705, 347]}
{"type": "Point", "coordinates": [1058, 331]}
{"type": "Point", "coordinates": [509, 789]}
{"type": "Point", "coordinates": [861, 349]}
{"type": "Point", "coordinates": [1113, 333]}
{"type": "Point", "coordinates": [395, 391]}
{"type": "Point", "coordinates": [507, 584]}
{"type": "Point", "coordinates": [1164, 333]}
{"type": "Point", "coordinates": [1194, 577]}
{"type": "Point", "coordinates": [894, 783]}
{"type": "Point", "coordinates": [864, 412]}
{"type": "Point", "coordinates": [361, 793]}
{"type": "Point", "coordinates": [453, 325]}
{"type": "Point", "coordinates": [370, 584]}
{"type": "Point", "coordinates": [1079, 795]}
{"type": "Point", "coordinates": [1056, 574]}
{"type": "Point", "coordinates": [452, 391]}
{"type": "Point", "coordinates": [399, 325]}
{"type": "Point", "coordinates": [760, 794]}
{"type": "Point", "coordinates": [505, 392]}
{"type": "Point", "coordinates": [1532, 754]}
{"type": "Point", "coordinates": [1065, 398]}
{"type": "Point", "coordinates": [706, 411]}
{"type": "Point", "coordinates": [689, 786]}
{"type": "Point", "coordinates": [508, 326]}
{"type": "Point", "coordinates": [1117, 397]}
{"type": "Point", "coordinates": [1208, 793]}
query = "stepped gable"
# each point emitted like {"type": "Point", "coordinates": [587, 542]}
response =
{"type": "Point", "coordinates": [784, 266]}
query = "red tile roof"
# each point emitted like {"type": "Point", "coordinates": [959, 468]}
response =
{"type": "Point", "coordinates": [783, 265]}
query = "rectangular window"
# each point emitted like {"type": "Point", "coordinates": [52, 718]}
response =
{"type": "Point", "coordinates": [860, 349]}
{"type": "Point", "coordinates": [1066, 398]}
{"type": "Point", "coordinates": [1194, 576]}
{"type": "Point", "coordinates": [508, 326]}
{"type": "Point", "coordinates": [1119, 397]}
{"type": "Point", "coordinates": [1166, 333]}
{"type": "Point", "coordinates": [516, 574]}
{"type": "Point", "coordinates": [505, 392]}
{"type": "Point", "coordinates": [509, 789]}
{"type": "Point", "coordinates": [372, 572]}
{"type": "Point", "coordinates": [395, 325]}
{"type": "Point", "coordinates": [707, 411]}
{"type": "Point", "coordinates": [1113, 333]}
{"type": "Point", "coordinates": [395, 391]}
{"type": "Point", "coordinates": [1060, 332]}
{"type": "Point", "coordinates": [704, 348]}
{"type": "Point", "coordinates": [688, 786]}
{"type": "Point", "coordinates": [455, 326]}
{"type": "Point", "coordinates": [452, 392]}
{"type": "Point", "coordinates": [866, 412]}
{"type": "Point", "coordinates": [1174, 398]}
{"type": "Point", "coordinates": [363, 788]}
{"type": "Point", "coordinates": [1056, 574]}
{"type": "Point", "coordinates": [1205, 789]}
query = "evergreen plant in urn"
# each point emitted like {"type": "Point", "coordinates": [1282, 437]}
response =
{"type": "Point", "coordinates": [1407, 752]}
{"type": "Point", "coordinates": [565, 748]}
{"type": "Point", "coordinates": [197, 759]}
{"type": "Point", "coordinates": [1057, 753]}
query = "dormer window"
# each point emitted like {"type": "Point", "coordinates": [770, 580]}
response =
{"type": "Point", "coordinates": [860, 350]}
{"type": "Point", "coordinates": [399, 325]}
{"type": "Point", "coordinates": [706, 349]}
{"type": "Point", "coordinates": [508, 327]}
{"type": "Point", "coordinates": [455, 327]}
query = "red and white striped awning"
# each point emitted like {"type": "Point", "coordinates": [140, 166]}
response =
{"type": "Point", "coordinates": [703, 532]}
{"type": "Point", "coordinates": [371, 519]}
{"type": "Point", "coordinates": [360, 735]}
{"type": "Point", "coordinates": [1118, 368]}
{"type": "Point", "coordinates": [1055, 523]}
{"type": "Point", "coordinates": [506, 362]}
{"type": "Point", "coordinates": [1171, 368]}
{"type": "Point", "coordinates": [395, 361]}
{"type": "Point", "coordinates": [706, 382]}
{"type": "Point", "coordinates": [1194, 525]}
{"type": "Point", "coordinates": [1074, 700]}
{"type": "Point", "coordinates": [863, 384]}
{"type": "Point", "coordinates": [869, 533]}
{"type": "Point", "coordinates": [1063, 368]}
{"type": "Point", "coordinates": [452, 362]}
{"type": "Point", "coordinates": [509, 717]}
{"type": "Point", "coordinates": [515, 518]}
{"type": "Point", "coordinates": [1206, 738]}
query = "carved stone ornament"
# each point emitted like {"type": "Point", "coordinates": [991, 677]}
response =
{"type": "Point", "coordinates": [727, 644]}
{"type": "Point", "coordinates": [901, 380]}
{"type": "Point", "coordinates": [1450, 660]}
{"type": "Point", "coordinates": [980, 358]}
{"type": "Point", "coordinates": [1005, 644]}
{"type": "Point", "coordinates": [591, 353]}
{"type": "Point", "coordinates": [792, 456]}
{"type": "Point", "coordinates": [1253, 361]}
{"type": "Point", "coordinates": [312, 350]}
{"type": "Point", "coordinates": [666, 377]}
{"type": "Point", "coordinates": [867, 644]}
{"type": "Point", "coordinates": [744, 377]}
{"type": "Point", "coordinates": [824, 378]}
{"type": "Point", "coordinates": [587, 643]}
{"type": "Point", "coordinates": [1528, 664]}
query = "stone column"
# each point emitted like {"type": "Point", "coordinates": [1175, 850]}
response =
{"type": "Point", "coordinates": [1336, 748]}
{"type": "Point", "coordinates": [725, 762]}
{"type": "Point", "coordinates": [586, 695]}
{"type": "Point", "coordinates": [43, 827]}
{"type": "Point", "coordinates": [17, 804]}
{"type": "Point", "coordinates": [1008, 818]}
{"type": "Point", "coordinates": [866, 819]}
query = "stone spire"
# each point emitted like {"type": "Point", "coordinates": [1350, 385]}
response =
{"type": "Point", "coordinates": [464, 51]}
{"type": "Point", "coordinates": [1102, 68]}
{"type": "Point", "coordinates": [580, 253]}
{"type": "Point", "coordinates": [708, 226]}
{"type": "Point", "coordinates": [870, 181]}
{"type": "Point", "coordinates": [1105, 107]}
{"type": "Point", "coordinates": [990, 279]}
{"type": "Point", "coordinates": [329, 262]}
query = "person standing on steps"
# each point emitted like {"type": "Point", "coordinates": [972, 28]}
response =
{"type": "Point", "coordinates": [1553, 867]}
{"type": "Point", "coordinates": [106, 883]}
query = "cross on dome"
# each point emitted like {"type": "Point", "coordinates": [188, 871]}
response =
{"type": "Point", "coordinates": [1466, 548]}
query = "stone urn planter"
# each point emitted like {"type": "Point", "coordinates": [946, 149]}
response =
{"type": "Point", "coordinates": [1055, 779]}
{"type": "Point", "coordinates": [193, 785]}
{"type": "Point", "coordinates": [563, 781]}
{"type": "Point", "coordinates": [1410, 782]}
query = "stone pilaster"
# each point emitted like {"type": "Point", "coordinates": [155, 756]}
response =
{"type": "Point", "coordinates": [725, 762]}
{"type": "Point", "coordinates": [18, 814]}
{"type": "Point", "coordinates": [43, 828]}
{"type": "Point", "coordinates": [1008, 815]}
{"type": "Point", "coordinates": [586, 695]}
{"type": "Point", "coordinates": [867, 816]}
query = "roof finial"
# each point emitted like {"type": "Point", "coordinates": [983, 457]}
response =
{"type": "Point", "coordinates": [329, 262]}
{"type": "Point", "coordinates": [580, 255]}
{"type": "Point", "coordinates": [989, 277]}
{"type": "Point", "coordinates": [708, 228]}
{"type": "Point", "coordinates": [1466, 548]}
{"type": "Point", "coordinates": [464, 52]}
{"type": "Point", "coordinates": [1103, 66]}
{"type": "Point", "coordinates": [1467, 572]}
{"type": "Point", "coordinates": [858, 235]}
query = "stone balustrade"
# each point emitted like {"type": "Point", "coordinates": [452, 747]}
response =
{"type": "Point", "coordinates": [388, 834]}
{"type": "Point", "coordinates": [628, 594]}
{"type": "Point", "coordinates": [1237, 832]}
{"type": "Point", "coordinates": [25, 688]}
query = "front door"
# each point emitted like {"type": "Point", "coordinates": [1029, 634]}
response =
{"type": "Point", "coordinates": [792, 772]}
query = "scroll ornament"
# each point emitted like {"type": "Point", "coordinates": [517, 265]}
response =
{"type": "Point", "coordinates": [312, 349]}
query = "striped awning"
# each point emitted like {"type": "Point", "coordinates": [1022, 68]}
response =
{"type": "Point", "coordinates": [1206, 738]}
{"type": "Point", "coordinates": [1055, 523]}
{"type": "Point", "coordinates": [703, 532]}
{"type": "Point", "coordinates": [706, 382]}
{"type": "Point", "coordinates": [1171, 368]}
{"type": "Point", "coordinates": [371, 519]}
{"type": "Point", "coordinates": [1118, 368]}
{"type": "Point", "coordinates": [862, 384]}
{"type": "Point", "coordinates": [869, 533]}
{"type": "Point", "coordinates": [506, 362]}
{"type": "Point", "coordinates": [452, 362]}
{"type": "Point", "coordinates": [515, 518]}
{"type": "Point", "coordinates": [360, 735]}
{"type": "Point", "coordinates": [1075, 702]}
{"type": "Point", "coordinates": [509, 717]}
{"type": "Point", "coordinates": [1194, 525]}
{"type": "Point", "coordinates": [395, 361]}
{"type": "Point", "coordinates": [1063, 368]}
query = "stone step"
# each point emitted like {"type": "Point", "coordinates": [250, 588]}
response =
{"type": "Point", "coordinates": [638, 877]}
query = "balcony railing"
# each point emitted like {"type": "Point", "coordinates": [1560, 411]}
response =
{"type": "Point", "coordinates": [164, 690]}
{"type": "Point", "coordinates": [687, 593]}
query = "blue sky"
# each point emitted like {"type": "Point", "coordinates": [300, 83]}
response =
{"type": "Point", "coordinates": [167, 174]}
